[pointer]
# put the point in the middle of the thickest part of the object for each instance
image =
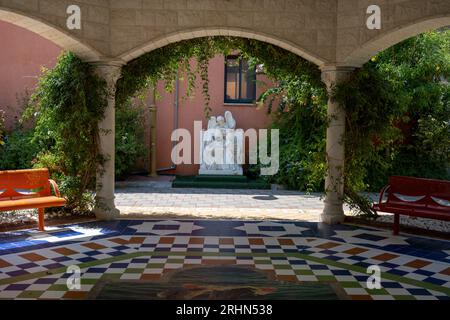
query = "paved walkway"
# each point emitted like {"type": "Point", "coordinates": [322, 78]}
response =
{"type": "Point", "coordinates": [158, 199]}
{"type": "Point", "coordinates": [220, 259]}
{"type": "Point", "coordinates": [219, 203]}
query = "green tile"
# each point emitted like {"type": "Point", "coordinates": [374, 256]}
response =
{"type": "Point", "coordinates": [377, 292]}
{"type": "Point", "coordinates": [304, 272]}
{"type": "Point", "coordinates": [326, 278]}
{"type": "Point", "coordinates": [58, 287]}
{"type": "Point", "coordinates": [134, 270]}
{"type": "Point", "coordinates": [111, 276]}
{"type": "Point", "coordinates": [175, 261]}
{"type": "Point", "coordinates": [155, 266]}
{"type": "Point", "coordinates": [263, 262]}
{"type": "Point", "coordinates": [88, 281]}
{"type": "Point", "coordinates": [30, 294]}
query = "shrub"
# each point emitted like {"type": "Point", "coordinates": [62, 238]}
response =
{"type": "Point", "coordinates": [129, 138]}
{"type": "Point", "coordinates": [18, 150]}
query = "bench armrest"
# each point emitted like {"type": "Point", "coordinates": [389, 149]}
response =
{"type": "Point", "coordinates": [55, 187]}
{"type": "Point", "coordinates": [383, 191]}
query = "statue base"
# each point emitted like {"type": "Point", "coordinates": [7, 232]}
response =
{"type": "Point", "coordinates": [220, 182]}
{"type": "Point", "coordinates": [209, 172]}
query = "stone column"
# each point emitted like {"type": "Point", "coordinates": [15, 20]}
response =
{"type": "Point", "coordinates": [334, 181]}
{"type": "Point", "coordinates": [153, 130]}
{"type": "Point", "coordinates": [105, 208]}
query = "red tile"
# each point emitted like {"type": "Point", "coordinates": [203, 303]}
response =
{"type": "Point", "coordinates": [33, 257]}
{"type": "Point", "coordinates": [385, 256]}
{"type": "Point", "coordinates": [65, 251]}
{"type": "Point", "coordinates": [226, 241]}
{"type": "Point", "coordinates": [4, 264]}
{"type": "Point", "coordinates": [94, 246]}
{"type": "Point", "coordinates": [256, 241]}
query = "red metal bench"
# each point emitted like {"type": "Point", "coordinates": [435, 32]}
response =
{"type": "Point", "coordinates": [29, 189]}
{"type": "Point", "coordinates": [417, 197]}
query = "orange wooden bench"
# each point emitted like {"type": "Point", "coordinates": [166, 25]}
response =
{"type": "Point", "coordinates": [29, 189]}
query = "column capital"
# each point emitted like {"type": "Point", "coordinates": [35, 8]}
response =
{"type": "Point", "coordinates": [332, 74]}
{"type": "Point", "coordinates": [109, 70]}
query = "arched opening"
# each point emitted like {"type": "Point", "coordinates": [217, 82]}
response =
{"type": "Point", "coordinates": [248, 115]}
{"type": "Point", "coordinates": [406, 72]}
{"type": "Point", "coordinates": [388, 39]}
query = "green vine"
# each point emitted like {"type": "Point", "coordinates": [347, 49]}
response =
{"type": "Point", "coordinates": [66, 107]}
{"type": "Point", "coordinates": [166, 62]}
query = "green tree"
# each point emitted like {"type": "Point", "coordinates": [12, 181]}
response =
{"type": "Point", "coordinates": [398, 116]}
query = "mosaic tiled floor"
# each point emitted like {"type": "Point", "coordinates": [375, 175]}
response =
{"type": "Point", "coordinates": [33, 265]}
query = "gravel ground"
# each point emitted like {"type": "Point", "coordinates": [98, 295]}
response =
{"type": "Point", "coordinates": [27, 219]}
{"type": "Point", "coordinates": [428, 224]}
{"type": "Point", "coordinates": [18, 217]}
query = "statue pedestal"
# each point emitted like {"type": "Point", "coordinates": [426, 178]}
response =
{"type": "Point", "coordinates": [219, 182]}
{"type": "Point", "coordinates": [221, 172]}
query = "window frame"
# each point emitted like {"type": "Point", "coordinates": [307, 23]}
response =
{"type": "Point", "coordinates": [239, 100]}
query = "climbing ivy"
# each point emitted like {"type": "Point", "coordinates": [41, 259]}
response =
{"type": "Point", "coordinates": [66, 108]}
{"type": "Point", "coordinates": [166, 62]}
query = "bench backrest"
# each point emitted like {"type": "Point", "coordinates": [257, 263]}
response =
{"type": "Point", "coordinates": [18, 184]}
{"type": "Point", "coordinates": [429, 192]}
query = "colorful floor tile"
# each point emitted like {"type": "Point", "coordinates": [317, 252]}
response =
{"type": "Point", "coordinates": [142, 253]}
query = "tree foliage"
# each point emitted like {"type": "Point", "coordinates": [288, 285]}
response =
{"type": "Point", "coordinates": [397, 120]}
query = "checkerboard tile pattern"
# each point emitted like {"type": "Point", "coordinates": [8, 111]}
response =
{"type": "Point", "coordinates": [151, 249]}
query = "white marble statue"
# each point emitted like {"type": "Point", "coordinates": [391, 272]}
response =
{"type": "Point", "coordinates": [221, 151]}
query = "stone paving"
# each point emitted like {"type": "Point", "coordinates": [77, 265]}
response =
{"type": "Point", "coordinates": [157, 198]}
{"type": "Point", "coordinates": [220, 203]}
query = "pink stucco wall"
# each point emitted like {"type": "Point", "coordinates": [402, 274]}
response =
{"type": "Point", "coordinates": [192, 109]}
{"type": "Point", "coordinates": [22, 54]}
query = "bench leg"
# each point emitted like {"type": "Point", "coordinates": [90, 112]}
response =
{"type": "Point", "coordinates": [41, 219]}
{"type": "Point", "coordinates": [396, 223]}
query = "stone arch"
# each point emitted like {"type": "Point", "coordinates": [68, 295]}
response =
{"type": "Point", "coordinates": [209, 32]}
{"type": "Point", "coordinates": [369, 49]}
{"type": "Point", "coordinates": [51, 33]}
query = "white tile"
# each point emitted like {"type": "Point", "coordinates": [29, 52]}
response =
{"type": "Point", "coordinates": [382, 297]}
{"type": "Point", "coordinates": [356, 291]}
{"type": "Point", "coordinates": [9, 294]}
{"type": "Point", "coordinates": [130, 276]}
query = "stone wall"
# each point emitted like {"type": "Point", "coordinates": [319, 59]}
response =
{"type": "Point", "coordinates": [327, 32]}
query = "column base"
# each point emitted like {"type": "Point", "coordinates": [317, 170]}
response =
{"type": "Point", "coordinates": [332, 219]}
{"type": "Point", "coordinates": [333, 213]}
{"type": "Point", "coordinates": [106, 210]}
